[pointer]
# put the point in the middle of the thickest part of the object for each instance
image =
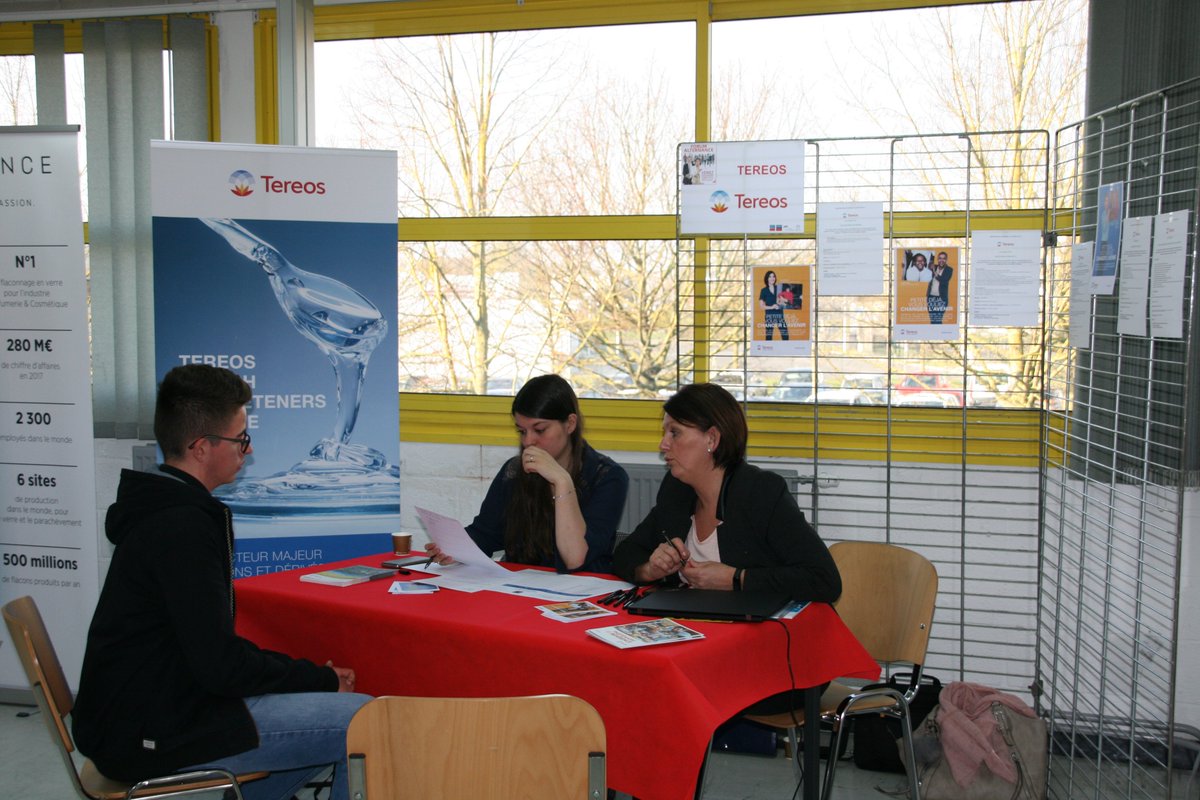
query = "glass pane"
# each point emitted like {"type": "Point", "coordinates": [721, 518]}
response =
{"type": "Point", "coordinates": [579, 121]}
{"type": "Point", "coordinates": [483, 317]}
{"type": "Point", "coordinates": [991, 67]}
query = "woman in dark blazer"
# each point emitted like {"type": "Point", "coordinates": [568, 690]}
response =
{"type": "Point", "coordinates": [718, 522]}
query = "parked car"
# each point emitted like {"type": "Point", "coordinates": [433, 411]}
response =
{"type": "Point", "coordinates": [939, 384]}
{"type": "Point", "coordinates": [873, 386]}
{"type": "Point", "coordinates": [846, 395]}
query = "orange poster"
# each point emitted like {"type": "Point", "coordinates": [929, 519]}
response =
{"type": "Point", "coordinates": [927, 293]}
{"type": "Point", "coordinates": [782, 306]}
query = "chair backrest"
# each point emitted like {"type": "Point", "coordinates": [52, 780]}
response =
{"type": "Point", "coordinates": [549, 746]}
{"type": "Point", "coordinates": [888, 597]}
{"type": "Point", "coordinates": [32, 643]}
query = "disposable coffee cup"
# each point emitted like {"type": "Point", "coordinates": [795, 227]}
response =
{"type": "Point", "coordinates": [401, 543]}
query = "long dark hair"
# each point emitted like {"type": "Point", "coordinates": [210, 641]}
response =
{"type": "Point", "coordinates": [529, 521]}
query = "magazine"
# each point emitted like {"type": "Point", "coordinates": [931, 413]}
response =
{"type": "Point", "coordinates": [348, 576]}
{"type": "Point", "coordinates": [642, 634]}
{"type": "Point", "coordinates": [574, 610]}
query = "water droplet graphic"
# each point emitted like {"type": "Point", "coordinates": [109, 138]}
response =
{"type": "Point", "coordinates": [337, 475]}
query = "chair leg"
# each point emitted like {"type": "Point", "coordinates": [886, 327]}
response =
{"type": "Point", "coordinates": [835, 747]}
{"type": "Point", "coordinates": [797, 753]}
{"type": "Point", "coordinates": [914, 784]}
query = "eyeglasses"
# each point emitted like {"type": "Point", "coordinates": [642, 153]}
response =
{"type": "Point", "coordinates": [242, 441]}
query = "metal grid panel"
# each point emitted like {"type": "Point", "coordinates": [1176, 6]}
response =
{"type": "Point", "coordinates": [958, 484]}
{"type": "Point", "coordinates": [1116, 462]}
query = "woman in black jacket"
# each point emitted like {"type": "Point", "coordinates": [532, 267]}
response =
{"type": "Point", "coordinates": [718, 522]}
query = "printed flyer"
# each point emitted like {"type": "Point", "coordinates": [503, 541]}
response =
{"type": "Point", "coordinates": [926, 279]}
{"type": "Point", "coordinates": [782, 310]}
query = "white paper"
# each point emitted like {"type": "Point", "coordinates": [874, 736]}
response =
{"type": "Point", "coordinates": [1135, 276]}
{"type": "Point", "coordinates": [450, 535]}
{"type": "Point", "coordinates": [1168, 261]}
{"type": "Point", "coordinates": [1080, 327]}
{"type": "Point", "coordinates": [849, 248]}
{"type": "Point", "coordinates": [554, 586]}
{"type": "Point", "coordinates": [1005, 278]}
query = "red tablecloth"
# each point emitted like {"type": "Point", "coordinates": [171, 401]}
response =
{"type": "Point", "coordinates": [660, 704]}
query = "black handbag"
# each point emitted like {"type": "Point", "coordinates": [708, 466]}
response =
{"type": "Point", "coordinates": [875, 735]}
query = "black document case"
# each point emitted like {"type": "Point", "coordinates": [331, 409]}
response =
{"type": "Point", "coordinates": [715, 604]}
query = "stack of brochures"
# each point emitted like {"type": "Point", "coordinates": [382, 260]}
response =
{"type": "Point", "coordinates": [643, 634]}
{"type": "Point", "coordinates": [348, 576]}
{"type": "Point", "coordinates": [574, 611]}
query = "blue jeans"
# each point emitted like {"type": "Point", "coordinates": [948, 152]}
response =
{"type": "Point", "coordinates": [299, 736]}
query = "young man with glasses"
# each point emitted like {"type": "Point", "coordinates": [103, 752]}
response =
{"type": "Point", "coordinates": [166, 683]}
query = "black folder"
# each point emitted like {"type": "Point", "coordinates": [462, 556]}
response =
{"type": "Point", "coordinates": [713, 604]}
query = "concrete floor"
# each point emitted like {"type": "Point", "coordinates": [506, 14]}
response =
{"type": "Point", "coordinates": [32, 769]}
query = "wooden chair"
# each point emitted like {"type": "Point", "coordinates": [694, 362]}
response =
{"type": "Point", "coordinates": [887, 602]}
{"type": "Point", "coordinates": [549, 747]}
{"type": "Point", "coordinates": [54, 698]}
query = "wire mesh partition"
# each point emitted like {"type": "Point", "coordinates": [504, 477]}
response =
{"type": "Point", "coordinates": [1119, 454]}
{"type": "Point", "coordinates": [929, 444]}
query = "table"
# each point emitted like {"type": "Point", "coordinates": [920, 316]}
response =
{"type": "Point", "coordinates": [660, 704]}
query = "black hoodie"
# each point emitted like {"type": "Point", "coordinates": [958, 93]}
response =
{"type": "Point", "coordinates": [164, 673]}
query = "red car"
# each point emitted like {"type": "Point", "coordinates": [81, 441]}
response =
{"type": "Point", "coordinates": [949, 388]}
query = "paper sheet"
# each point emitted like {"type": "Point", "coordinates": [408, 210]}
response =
{"type": "Point", "coordinates": [450, 535]}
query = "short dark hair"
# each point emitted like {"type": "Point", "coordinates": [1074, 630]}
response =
{"type": "Point", "coordinates": [707, 405]}
{"type": "Point", "coordinates": [195, 399]}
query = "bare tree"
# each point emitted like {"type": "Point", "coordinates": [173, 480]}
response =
{"type": "Point", "coordinates": [609, 314]}
{"type": "Point", "coordinates": [462, 112]}
{"type": "Point", "coordinates": [1003, 73]}
{"type": "Point", "coordinates": [17, 90]}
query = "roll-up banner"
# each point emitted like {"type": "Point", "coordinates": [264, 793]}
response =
{"type": "Point", "coordinates": [279, 263]}
{"type": "Point", "coordinates": [47, 455]}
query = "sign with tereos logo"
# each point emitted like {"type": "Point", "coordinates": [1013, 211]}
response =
{"type": "Point", "coordinates": [279, 263]}
{"type": "Point", "coordinates": [741, 187]}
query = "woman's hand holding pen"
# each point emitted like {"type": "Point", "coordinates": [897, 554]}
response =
{"type": "Point", "coordinates": [436, 555]}
{"type": "Point", "coordinates": [666, 559]}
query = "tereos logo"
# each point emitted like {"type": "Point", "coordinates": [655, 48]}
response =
{"type": "Point", "coordinates": [241, 183]}
{"type": "Point", "coordinates": [719, 201]}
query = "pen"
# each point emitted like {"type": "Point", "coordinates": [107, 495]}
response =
{"type": "Point", "coordinates": [609, 597]}
{"type": "Point", "coordinates": [427, 563]}
{"type": "Point", "coordinates": [683, 560]}
{"type": "Point", "coordinates": [620, 598]}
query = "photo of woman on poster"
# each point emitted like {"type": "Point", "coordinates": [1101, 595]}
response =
{"type": "Point", "coordinates": [768, 300]}
{"type": "Point", "coordinates": [917, 268]}
{"type": "Point", "coordinates": [779, 307]}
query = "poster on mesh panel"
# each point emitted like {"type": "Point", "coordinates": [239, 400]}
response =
{"type": "Point", "coordinates": [48, 539]}
{"type": "Point", "coordinates": [741, 187]}
{"type": "Point", "coordinates": [781, 313]}
{"type": "Point", "coordinates": [926, 293]}
{"type": "Point", "coordinates": [279, 263]}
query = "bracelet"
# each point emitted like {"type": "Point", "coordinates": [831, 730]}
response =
{"type": "Point", "coordinates": [557, 497]}
{"type": "Point", "coordinates": [737, 579]}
